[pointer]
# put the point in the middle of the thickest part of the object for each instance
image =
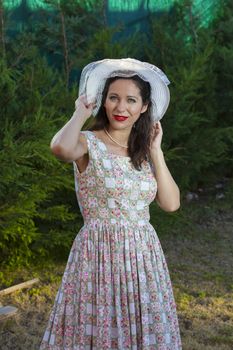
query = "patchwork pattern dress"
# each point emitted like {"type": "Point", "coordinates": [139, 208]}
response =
{"type": "Point", "coordinates": [116, 291]}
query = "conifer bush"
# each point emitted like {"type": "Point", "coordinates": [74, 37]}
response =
{"type": "Point", "coordinates": [37, 216]}
{"type": "Point", "coordinates": [198, 132]}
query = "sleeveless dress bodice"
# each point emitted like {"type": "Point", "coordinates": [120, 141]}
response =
{"type": "Point", "coordinates": [111, 190]}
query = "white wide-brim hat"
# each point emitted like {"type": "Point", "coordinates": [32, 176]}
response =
{"type": "Point", "coordinates": [95, 74]}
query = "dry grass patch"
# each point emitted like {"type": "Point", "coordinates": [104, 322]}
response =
{"type": "Point", "coordinates": [25, 330]}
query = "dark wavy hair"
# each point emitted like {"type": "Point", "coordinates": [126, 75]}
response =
{"type": "Point", "coordinates": [139, 139]}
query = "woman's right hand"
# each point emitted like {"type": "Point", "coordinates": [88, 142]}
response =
{"type": "Point", "coordinates": [82, 108]}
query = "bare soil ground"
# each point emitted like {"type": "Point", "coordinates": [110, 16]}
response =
{"type": "Point", "coordinates": [199, 252]}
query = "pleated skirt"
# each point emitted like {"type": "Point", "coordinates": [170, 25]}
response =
{"type": "Point", "coordinates": [115, 293]}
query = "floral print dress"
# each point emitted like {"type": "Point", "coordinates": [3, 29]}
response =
{"type": "Point", "coordinates": [116, 291]}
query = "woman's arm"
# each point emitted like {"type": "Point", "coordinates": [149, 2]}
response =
{"type": "Point", "coordinates": [67, 144]}
{"type": "Point", "coordinates": [168, 194]}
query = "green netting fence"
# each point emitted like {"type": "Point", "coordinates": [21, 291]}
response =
{"type": "Point", "coordinates": [116, 11]}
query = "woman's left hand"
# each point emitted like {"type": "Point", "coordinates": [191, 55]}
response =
{"type": "Point", "coordinates": [156, 137]}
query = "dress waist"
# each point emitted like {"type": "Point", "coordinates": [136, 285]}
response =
{"type": "Point", "coordinates": [98, 223]}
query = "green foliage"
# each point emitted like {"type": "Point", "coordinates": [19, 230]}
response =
{"type": "Point", "coordinates": [63, 33]}
{"type": "Point", "coordinates": [103, 44]}
{"type": "Point", "coordinates": [223, 56]}
{"type": "Point", "coordinates": [35, 219]}
{"type": "Point", "coordinates": [198, 133]}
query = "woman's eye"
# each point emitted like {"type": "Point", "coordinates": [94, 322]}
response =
{"type": "Point", "coordinates": [131, 100]}
{"type": "Point", "coordinates": [112, 98]}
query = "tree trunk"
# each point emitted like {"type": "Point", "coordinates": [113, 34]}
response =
{"type": "Point", "coordinates": [65, 47]}
{"type": "Point", "coordinates": [2, 36]}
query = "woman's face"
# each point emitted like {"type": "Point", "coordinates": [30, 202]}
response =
{"type": "Point", "coordinates": [123, 103]}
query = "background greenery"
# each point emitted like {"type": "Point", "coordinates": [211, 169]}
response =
{"type": "Point", "coordinates": [40, 65]}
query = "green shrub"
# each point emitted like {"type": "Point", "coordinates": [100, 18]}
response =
{"type": "Point", "coordinates": [37, 199]}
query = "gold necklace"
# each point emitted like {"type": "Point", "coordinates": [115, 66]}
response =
{"type": "Point", "coordinates": [114, 140]}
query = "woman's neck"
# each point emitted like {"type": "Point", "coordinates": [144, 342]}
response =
{"type": "Point", "coordinates": [121, 136]}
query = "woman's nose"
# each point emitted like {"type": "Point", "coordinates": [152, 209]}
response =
{"type": "Point", "coordinates": [121, 105]}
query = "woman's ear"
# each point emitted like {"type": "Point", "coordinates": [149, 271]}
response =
{"type": "Point", "coordinates": [144, 108]}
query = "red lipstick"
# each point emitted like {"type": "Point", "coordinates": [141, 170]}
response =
{"type": "Point", "coordinates": [120, 118]}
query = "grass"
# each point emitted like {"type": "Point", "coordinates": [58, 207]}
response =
{"type": "Point", "coordinates": [197, 242]}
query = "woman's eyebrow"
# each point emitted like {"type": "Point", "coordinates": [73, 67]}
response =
{"type": "Point", "coordinates": [114, 93]}
{"type": "Point", "coordinates": [132, 96]}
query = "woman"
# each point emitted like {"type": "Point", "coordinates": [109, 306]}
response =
{"type": "Point", "coordinates": [116, 291]}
